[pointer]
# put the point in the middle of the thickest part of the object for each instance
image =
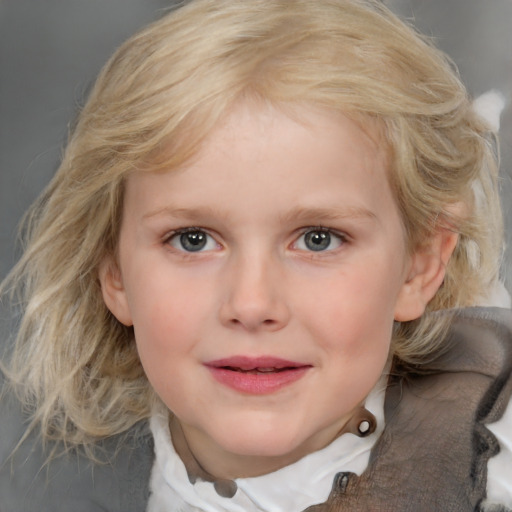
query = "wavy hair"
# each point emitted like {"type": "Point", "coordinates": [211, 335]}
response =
{"type": "Point", "coordinates": [154, 103]}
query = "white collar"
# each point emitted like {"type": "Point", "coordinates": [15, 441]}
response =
{"type": "Point", "coordinates": [292, 488]}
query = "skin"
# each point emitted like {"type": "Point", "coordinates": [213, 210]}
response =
{"type": "Point", "coordinates": [261, 183]}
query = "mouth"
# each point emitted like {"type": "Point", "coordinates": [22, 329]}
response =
{"type": "Point", "coordinates": [261, 375]}
{"type": "Point", "coordinates": [256, 371]}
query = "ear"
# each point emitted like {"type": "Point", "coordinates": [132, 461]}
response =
{"type": "Point", "coordinates": [425, 276]}
{"type": "Point", "coordinates": [112, 289]}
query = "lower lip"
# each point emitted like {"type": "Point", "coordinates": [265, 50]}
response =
{"type": "Point", "coordinates": [260, 383]}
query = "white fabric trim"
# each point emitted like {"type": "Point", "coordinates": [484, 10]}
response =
{"type": "Point", "coordinates": [499, 468]}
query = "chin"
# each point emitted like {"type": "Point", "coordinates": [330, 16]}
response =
{"type": "Point", "coordinates": [263, 442]}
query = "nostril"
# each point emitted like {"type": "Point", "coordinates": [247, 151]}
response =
{"type": "Point", "coordinates": [252, 324]}
{"type": "Point", "coordinates": [253, 313]}
{"type": "Point", "coordinates": [269, 321]}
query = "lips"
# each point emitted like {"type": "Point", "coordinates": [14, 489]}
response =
{"type": "Point", "coordinates": [260, 375]}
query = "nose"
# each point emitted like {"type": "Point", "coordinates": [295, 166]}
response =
{"type": "Point", "coordinates": [255, 295]}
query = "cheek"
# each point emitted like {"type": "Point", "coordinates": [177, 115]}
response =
{"type": "Point", "coordinates": [352, 322]}
{"type": "Point", "coordinates": [356, 307]}
{"type": "Point", "coordinates": [164, 300]}
{"type": "Point", "coordinates": [359, 342]}
{"type": "Point", "coordinates": [165, 335]}
{"type": "Point", "coordinates": [170, 314]}
{"type": "Point", "coordinates": [159, 322]}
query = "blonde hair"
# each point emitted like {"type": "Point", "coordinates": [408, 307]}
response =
{"type": "Point", "coordinates": [152, 106]}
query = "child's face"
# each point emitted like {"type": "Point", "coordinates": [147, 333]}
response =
{"type": "Point", "coordinates": [262, 282]}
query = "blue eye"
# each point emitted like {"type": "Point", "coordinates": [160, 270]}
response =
{"type": "Point", "coordinates": [192, 240]}
{"type": "Point", "coordinates": [318, 240]}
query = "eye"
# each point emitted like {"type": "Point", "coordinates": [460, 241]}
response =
{"type": "Point", "coordinates": [319, 239]}
{"type": "Point", "coordinates": [192, 240]}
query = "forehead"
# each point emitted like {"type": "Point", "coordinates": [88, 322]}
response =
{"type": "Point", "coordinates": [261, 160]}
{"type": "Point", "coordinates": [253, 119]}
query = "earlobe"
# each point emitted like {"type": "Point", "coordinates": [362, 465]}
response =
{"type": "Point", "coordinates": [426, 274]}
{"type": "Point", "coordinates": [112, 289]}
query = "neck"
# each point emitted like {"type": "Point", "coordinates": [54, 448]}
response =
{"type": "Point", "coordinates": [218, 464]}
{"type": "Point", "coordinates": [209, 462]}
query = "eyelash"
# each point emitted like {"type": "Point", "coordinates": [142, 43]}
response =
{"type": "Point", "coordinates": [327, 236]}
{"type": "Point", "coordinates": [340, 237]}
{"type": "Point", "coordinates": [179, 233]}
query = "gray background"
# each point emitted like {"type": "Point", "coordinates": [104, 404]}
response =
{"type": "Point", "coordinates": [51, 50]}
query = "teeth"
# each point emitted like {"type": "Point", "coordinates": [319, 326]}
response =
{"type": "Point", "coordinates": [254, 371]}
{"type": "Point", "coordinates": [257, 370]}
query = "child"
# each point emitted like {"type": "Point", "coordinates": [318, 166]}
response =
{"type": "Point", "coordinates": [243, 288]}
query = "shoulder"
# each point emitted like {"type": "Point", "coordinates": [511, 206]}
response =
{"type": "Point", "coordinates": [468, 386]}
{"type": "Point", "coordinates": [29, 482]}
{"type": "Point", "coordinates": [477, 349]}
{"type": "Point", "coordinates": [480, 340]}
{"type": "Point", "coordinates": [496, 406]}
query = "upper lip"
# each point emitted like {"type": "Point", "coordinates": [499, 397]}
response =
{"type": "Point", "coordinates": [252, 363]}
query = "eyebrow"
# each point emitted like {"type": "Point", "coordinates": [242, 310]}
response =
{"type": "Point", "coordinates": [306, 214]}
{"type": "Point", "coordinates": [298, 214]}
{"type": "Point", "coordinates": [191, 214]}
